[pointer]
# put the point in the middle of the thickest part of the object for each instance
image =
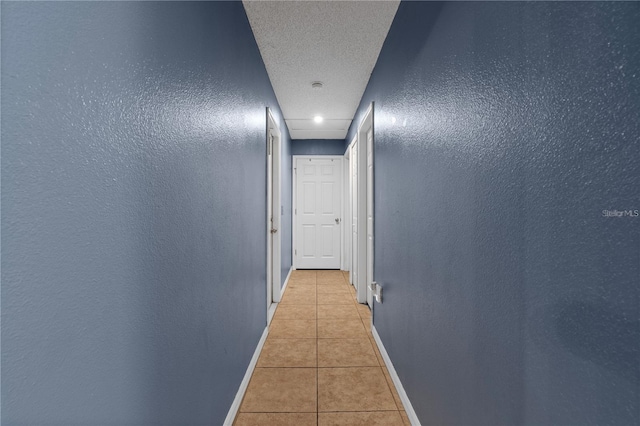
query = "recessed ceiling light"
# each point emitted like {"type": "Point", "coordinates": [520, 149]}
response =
{"type": "Point", "coordinates": [318, 119]}
{"type": "Point", "coordinates": [317, 85]}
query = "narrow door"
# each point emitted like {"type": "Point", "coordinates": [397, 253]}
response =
{"type": "Point", "coordinates": [353, 157]}
{"type": "Point", "coordinates": [274, 240]}
{"type": "Point", "coordinates": [317, 211]}
{"type": "Point", "coordinates": [269, 224]}
{"type": "Point", "coordinates": [369, 215]}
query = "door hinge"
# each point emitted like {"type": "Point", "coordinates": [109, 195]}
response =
{"type": "Point", "coordinates": [296, 252]}
{"type": "Point", "coordinates": [295, 211]}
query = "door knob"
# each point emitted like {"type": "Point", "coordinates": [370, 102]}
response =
{"type": "Point", "coordinates": [337, 220]}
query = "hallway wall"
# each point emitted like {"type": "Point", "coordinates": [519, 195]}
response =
{"type": "Point", "coordinates": [133, 210]}
{"type": "Point", "coordinates": [318, 147]}
{"type": "Point", "coordinates": [503, 130]}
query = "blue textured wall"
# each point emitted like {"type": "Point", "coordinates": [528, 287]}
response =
{"type": "Point", "coordinates": [318, 147]}
{"type": "Point", "coordinates": [133, 210]}
{"type": "Point", "coordinates": [503, 130]}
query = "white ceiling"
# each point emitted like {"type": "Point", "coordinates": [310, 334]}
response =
{"type": "Point", "coordinates": [335, 42]}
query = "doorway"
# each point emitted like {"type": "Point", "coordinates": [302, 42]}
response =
{"type": "Point", "coordinates": [362, 208]}
{"type": "Point", "coordinates": [317, 212]}
{"type": "Point", "coordinates": [353, 203]}
{"type": "Point", "coordinates": [274, 238]}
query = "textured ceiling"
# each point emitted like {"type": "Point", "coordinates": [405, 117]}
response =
{"type": "Point", "coordinates": [335, 42]}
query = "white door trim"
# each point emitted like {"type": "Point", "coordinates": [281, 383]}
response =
{"type": "Point", "coordinates": [349, 219]}
{"type": "Point", "coordinates": [346, 214]}
{"type": "Point", "coordinates": [362, 285]}
{"type": "Point", "coordinates": [274, 239]}
{"type": "Point", "coordinates": [294, 221]}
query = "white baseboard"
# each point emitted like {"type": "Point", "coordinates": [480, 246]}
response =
{"type": "Point", "coordinates": [413, 418]}
{"type": "Point", "coordinates": [286, 281]}
{"type": "Point", "coordinates": [235, 406]}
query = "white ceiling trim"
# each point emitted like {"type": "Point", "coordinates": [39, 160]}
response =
{"type": "Point", "coordinates": [335, 42]}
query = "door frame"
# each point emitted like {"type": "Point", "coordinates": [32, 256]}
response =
{"type": "Point", "coordinates": [294, 200]}
{"type": "Point", "coordinates": [351, 194]}
{"type": "Point", "coordinates": [273, 211]}
{"type": "Point", "coordinates": [346, 213]}
{"type": "Point", "coordinates": [363, 292]}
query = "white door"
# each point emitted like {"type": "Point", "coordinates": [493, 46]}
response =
{"type": "Point", "coordinates": [274, 239]}
{"type": "Point", "coordinates": [269, 224]}
{"type": "Point", "coordinates": [353, 157]}
{"type": "Point", "coordinates": [369, 215]}
{"type": "Point", "coordinates": [317, 212]}
{"type": "Point", "coordinates": [363, 209]}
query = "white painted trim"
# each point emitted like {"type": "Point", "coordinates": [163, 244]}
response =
{"type": "Point", "coordinates": [274, 201]}
{"type": "Point", "coordinates": [353, 261]}
{"type": "Point", "coordinates": [274, 306]}
{"type": "Point", "coordinates": [286, 281]}
{"type": "Point", "coordinates": [346, 214]}
{"type": "Point", "coordinates": [363, 281]}
{"type": "Point", "coordinates": [235, 406]}
{"type": "Point", "coordinates": [294, 199]}
{"type": "Point", "coordinates": [271, 311]}
{"type": "Point", "coordinates": [408, 408]}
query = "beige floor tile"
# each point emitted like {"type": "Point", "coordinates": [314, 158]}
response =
{"type": "Point", "coordinates": [331, 281]}
{"type": "Point", "coordinates": [329, 273]}
{"type": "Point", "coordinates": [337, 311]}
{"type": "Point", "coordinates": [284, 390]}
{"type": "Point", "coordinates": [292, 311]}
{"type": "Point", "coordinates": [288, 353]}
{"type": "Point", "coordinates": [341, 329]}
{"type": "Point", "coordinates": [394, 392]}
{"type": "Point", "coordinates": [332, 288]}
{"type": "Point", "coordinates": [353, 389]}
{"type": "Point", "coordinates": [334, 299]}
{"type": "Point", "coordinates": [367, 324]}
{"type": "Point", "coordinates": [405, 418]}
{"type": "Point", "coordinates": [300, 290]}
{"type": "Point", "coordinates": [304, 273]}
{"type": "Point", "coordinates": [298, 297]}
{"type": "Point", "coordinates": [300, 285]}
{"type": "Point", "coordinates": [376, 350]}
{"type": "Point", "coordinates": [292, 329]}
{"type": "Point", "coordinates": [301, 281]}
{"type": "Point", "coordinates": [363, 310]}
{"type": "Point", "coordinates": [346, 353]}
{"type": "Point", "coordinates": [276, 419]}
{"type": "Point", "coordinates": [374, 418]}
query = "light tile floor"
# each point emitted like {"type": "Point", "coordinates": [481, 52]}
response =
{"type": "Point", "coordinates": [320, 365]}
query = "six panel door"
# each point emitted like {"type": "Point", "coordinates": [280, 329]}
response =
{"type": "Point", "coordinates": [318, 213]}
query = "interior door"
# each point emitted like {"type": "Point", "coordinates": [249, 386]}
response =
{"type": "Point", "coordinates": [318, 209]}
{"type": "Point", "coordinates": [369, 215]}
{"type": "Point", "coordinates": [269, 222]}
{"type": "Point", "coordinates": [274, 239]}
{"type": "Point", "coordinates": [353, 157]}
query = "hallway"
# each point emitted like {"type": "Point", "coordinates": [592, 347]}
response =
{"type": "Point", "coordinates": [320, 364]}
{"type": "Point", "coordinates": [505, 156]}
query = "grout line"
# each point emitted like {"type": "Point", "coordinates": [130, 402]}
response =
{"type": "Point", "coordinates": [317, 359]}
